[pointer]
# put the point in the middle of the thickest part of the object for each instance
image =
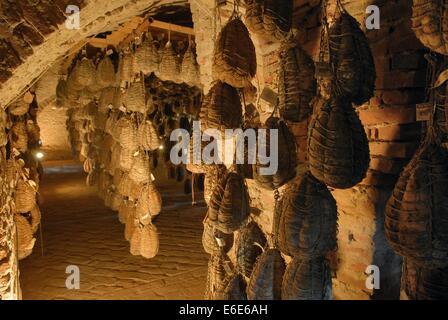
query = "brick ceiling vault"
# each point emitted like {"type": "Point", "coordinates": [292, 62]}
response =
{"type": "Point", "coordinates": [33, 36]}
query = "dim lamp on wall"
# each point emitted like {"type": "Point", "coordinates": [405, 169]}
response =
{"type": "Point", "coordinates": [39, 155]}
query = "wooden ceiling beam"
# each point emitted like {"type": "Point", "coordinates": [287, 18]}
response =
{"type": "Point", "coordinates": [126, 34]}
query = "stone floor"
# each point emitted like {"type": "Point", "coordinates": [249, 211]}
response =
{"type": "Point", "coordinates": [79, 230]}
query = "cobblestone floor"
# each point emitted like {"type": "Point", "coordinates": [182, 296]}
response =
{"type": "Point", "coordinates": [79, 230]}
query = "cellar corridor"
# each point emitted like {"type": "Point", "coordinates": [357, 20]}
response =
{"type": "Point", "coordinates": [223, 150]}
{"type": "Point", "coordinates": [79, 230]}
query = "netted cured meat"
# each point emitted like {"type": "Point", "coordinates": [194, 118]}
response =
{"type": "Point", "coordinates": [250, 245]}
{"type": "Point", "coordinates": [338, 149]}
{"type": "Point", "coordinates": [297, 84]}
{"type": "Point", "coordinates": [308, 219]}
{"type": "Point", "coordinates": [229, 204]}
{"type": "Point", "coordinates": [307, 280]}
{"type": "Point", "coordinates": [266, 280]}
{"type": "Point", "coordinates": [284, 147]}
{"type": "Point", "coordinates": [234, 60]}
{"type": "Point", "coordinates": [416, 224]}
{"type": "Point", "coordinates": [430, 24]}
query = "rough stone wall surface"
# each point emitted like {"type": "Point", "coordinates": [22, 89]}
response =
{"type": "Point", "coordinates": [54, 134]}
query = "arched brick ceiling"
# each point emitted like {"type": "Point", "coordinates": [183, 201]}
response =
{"type": "Point", "coordinates": [33, 36]}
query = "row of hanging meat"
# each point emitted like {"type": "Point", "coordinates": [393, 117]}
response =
{"type": "Point", "coordinates": [88, 76]}
{"type": "Point", "coordinates": [119, 147]}
{"type": "Point", "coordinates": [116, 148]}
{"type": "Point", "coordinates": [109, 131]}
{"type": "Point", "coordinates": [20, 218]}
{"type": "Point", "coordinates": [416, 219]}
{"type": "Point", "coordinates": [305, 221]}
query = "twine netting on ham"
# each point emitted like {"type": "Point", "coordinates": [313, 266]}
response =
{"type": "Point", "coordinates": [196, 162]}
{"type": "Point", "coordinates": [338, 149]}
{"type": "Point", "coordinates": [307, 280]}
{"type": "Point", "coordinates": [269, 18]}
{"type": "Point", "coordinates": [136, 97]}
{"type": "Point", "coordinates": [36, 217]}
{"type": "Point", "coordinates": [125, 132]}
{"type": "Point", "coordinates": [229, 203]}
{"type": "Point", "coordinates": [126, 159]}
{"type": "Point", "coordinates": [420, 283]}
{"type": "Point", "coordinates": [217, 276]}
{"type": "Point", "coordinates": [146, 58]}
{"type": "Point", "coordinates": [234, 59]}
{"type": "Point", "coordinates": [84, 73]}
{"type": "Point", "coordinates": [234, 288]}
{"type": "Point", "coordinates": [147, 136]}
{"type": "Point", "coordinates": [215, 241]}
{"type": "Point", "coordinates": [144, 241]}
{"type": "Point", "coordinates": [149, 203]}
{"type": "Point", "coordinates": [46, 86]}
{"type": "Point", "coordinates": [221, 108]}
{"type": "Point", "coordinates": [126, 208]}
{"type": "Point", "coordinates": [126, 66]}
{"type": "Point", "coordinates": [308, 219]}
{"type": "Point", "coordinates": [351, 59]}
{"type": "Point", "coordinates": [169, 67]}
{"type": "Point", "coordinates": [211, 180]}
{"type": "Point", "coordinates": [25, 236]}
{"type": "Point", "coordinates": [430, 24]}
{"type": "Point", "coordinates": [149, 241]}
{"type": "Point", "coordinates": [285, 147]}
{"type": "Point", "coordinates": [266, 280]}
{"type": "Point", "coordinates": [140, 171]}
{"type": "Point", "coordinates": [416, 224]}
{"type": "Point", "coordinates": [106, 73]}
{"type": "Point", "coordinates": [437, 93]}
{"type": "Point", "coordinates": [189, 67]}
{"type": "Point", "coordinates": [250, 244]}
{"type": "Point", "coordinates": [297, 84]}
